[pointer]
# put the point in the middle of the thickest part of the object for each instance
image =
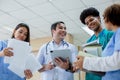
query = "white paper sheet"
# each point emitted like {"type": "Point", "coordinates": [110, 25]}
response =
{"type": "Point", "coordinates": [23, 58]}
{"type": "Point", "coordinates": [17, 62]}
{"type": "Point", "coordinates": [32, 63]}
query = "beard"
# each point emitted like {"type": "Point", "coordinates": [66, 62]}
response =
{"type": "Point", "coordinates": [97, 28]}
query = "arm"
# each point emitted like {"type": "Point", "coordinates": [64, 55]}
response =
{"type": "Point", "coordinates": [109, 63]}
{"type": "Point", "coordinates": [46, 67]}
{"type": "Point", "coordinates": [103, 64]}
{"type": "Point", "coordinates": [41, 58]}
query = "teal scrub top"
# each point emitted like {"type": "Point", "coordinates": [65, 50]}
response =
{"type": "Point", "coordinates": [104, 37]}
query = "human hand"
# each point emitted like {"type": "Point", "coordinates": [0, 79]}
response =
{"type": "Point", "coordinates": [7, 52]}
{"type": "Point", "coordinates": [62, 63]}
{"type": "Point", "coordinates": [28, 74]}
{"type": "Point", "coordinates": [48, 66]}
{"type": "Point", "coordinates": [79, 63]}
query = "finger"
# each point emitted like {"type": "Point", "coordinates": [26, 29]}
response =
{"type": "Point", "coordinates": [57, 59]}
{"type": "Point", "coordinates": [78, 57]}
{"type": "Point", "coordinates": [28, 74]}
{"type": "Point", "coordinates": [9, 48]}
{"type": "Point", "coordinates": [9, 53]}
{"type": "Point", "coordinates": [67, 60]}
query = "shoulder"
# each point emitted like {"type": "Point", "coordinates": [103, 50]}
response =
{"type": "Point", "coordinates": [107, 32]}
{"type": "Point", "coordinates": [72, 46]}
{"type": "Point", "coordinates": [92, 38]}
{"type": "Point", "coordinates": [43, 46]}
{"type": "Point", "coordinates": [4, 42]}
{"type": "Point", "coordinates": [117, 33]}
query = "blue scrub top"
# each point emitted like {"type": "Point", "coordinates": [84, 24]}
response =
{"type": "Point", "coordinates": [104, 37]}
{"type": "Point", "coordinates": [5, 73]}
{"type": "Point", "coordinates": [113, 45]}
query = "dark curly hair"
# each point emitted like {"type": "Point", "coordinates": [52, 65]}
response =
{"type": "Point", "coordinates": [88, 12]}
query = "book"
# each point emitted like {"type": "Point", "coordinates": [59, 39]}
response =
{"type": "Point", "coordinates": [92, 43]}
{"type": "Point", "coordinates": [81, 53]}
{"type": "Point", "coordinates": [93, 48]}
{"type": "Point", "coordinates": [95, 72]}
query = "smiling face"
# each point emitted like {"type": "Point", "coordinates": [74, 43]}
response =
{"type": "Point", "coordinates": [60, 31]}
{"type": "Point", "coordinates": [20, 33]}
{"type": "Point", "coordinates": [93, 23]}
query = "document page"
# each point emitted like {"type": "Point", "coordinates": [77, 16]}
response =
{"type": "Point", "coordinates": [22, 59]}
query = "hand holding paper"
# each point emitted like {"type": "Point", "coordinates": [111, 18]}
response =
{"type": "Point", "coordinates": [23, 60]}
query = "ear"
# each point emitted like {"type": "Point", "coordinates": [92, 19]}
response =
{"type": "Point", "coordinates": [52, 31]}
{"type": "Point", "coordinates": [99, 18]}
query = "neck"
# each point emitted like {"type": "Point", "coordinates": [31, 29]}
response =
{"type": "Point", "coordinates": [115, 28]}
{"type": "Point", "coordinates": [98, 31]}
{"type": "Point", "coordinates": [57, 41]}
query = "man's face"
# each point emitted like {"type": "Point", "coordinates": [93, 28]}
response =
{"type": "Point", "coordinates": [92, 22]}
{"type": "Point", "coordinates": [60, 31]}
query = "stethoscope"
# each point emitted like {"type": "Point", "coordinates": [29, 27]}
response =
{"type": "Point", "coordinates": [64, 44]}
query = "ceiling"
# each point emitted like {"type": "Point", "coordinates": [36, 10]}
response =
{"type": "Point", "coordinates": [40, 14]}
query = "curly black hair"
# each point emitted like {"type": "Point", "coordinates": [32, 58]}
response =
{"type": "Point", "coordinates": [88, 12]}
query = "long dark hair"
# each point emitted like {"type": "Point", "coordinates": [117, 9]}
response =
{"type": "Point", "coordinates": [28, 31]}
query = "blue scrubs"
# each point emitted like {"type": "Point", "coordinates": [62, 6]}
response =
{"type": "Point", "coordinates": [113, 45]}
{"type": "Point", "coordinates": [5, 73]}
{"type": "Point", "coordinates": [104, 37]}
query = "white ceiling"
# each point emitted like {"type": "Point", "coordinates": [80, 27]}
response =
{"type": "Point", "coordinates": [40, 14]}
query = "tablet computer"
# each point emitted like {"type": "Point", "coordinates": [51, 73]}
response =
{"type": "Point", "coordinates": [63, 54]}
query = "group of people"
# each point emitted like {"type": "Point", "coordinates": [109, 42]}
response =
{"type": "Point", "coordinates": [109, 39]}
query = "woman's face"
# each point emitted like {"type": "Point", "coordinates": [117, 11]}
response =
{"type": "Point", "coordinates": [21, 33]}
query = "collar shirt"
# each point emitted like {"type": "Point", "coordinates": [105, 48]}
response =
{"type": "Point", "coordinates": [5, 73]}
{"type": "Point", "coordinates": [44, 58]}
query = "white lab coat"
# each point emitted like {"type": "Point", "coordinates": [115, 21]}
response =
{"type": "Point", "coordinates": [104, 64]}
{"type": "Point", "coordinates": [44, 58]}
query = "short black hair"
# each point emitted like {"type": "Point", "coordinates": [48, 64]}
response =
{"type": "Point", "coordinates": [88, 12]}
{"type": "Point", "coordinates": [54, 25]}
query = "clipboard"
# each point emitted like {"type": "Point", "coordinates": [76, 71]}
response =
{"type": "Point", "coordinates": [63, 54]}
